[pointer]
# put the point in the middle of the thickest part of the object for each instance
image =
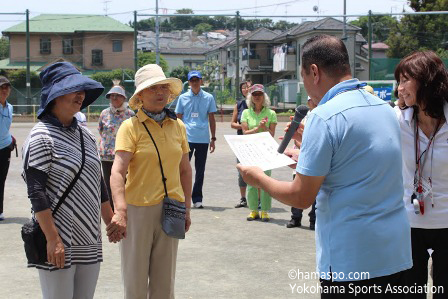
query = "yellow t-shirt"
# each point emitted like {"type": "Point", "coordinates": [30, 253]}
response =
{"type": "Point", "coordinates": [144, 185]}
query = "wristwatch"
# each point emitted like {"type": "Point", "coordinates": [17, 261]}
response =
{"type": "Point", "coordinates": [213, 139]}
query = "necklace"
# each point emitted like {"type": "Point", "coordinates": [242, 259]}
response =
{"type": "Point", "coordinates": [422, 187]}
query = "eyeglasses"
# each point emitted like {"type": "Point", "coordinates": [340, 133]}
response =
{"type": "Point", "coordinates": [5, 86]}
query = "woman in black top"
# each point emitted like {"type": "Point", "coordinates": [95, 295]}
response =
{"type": "Point", "coordinates": [236, 124]}
{"type": "Point", "coordinates": [52, 156]}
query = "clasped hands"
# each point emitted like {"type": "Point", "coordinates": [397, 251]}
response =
{"type": "Point", "coordinates": [116, 229]}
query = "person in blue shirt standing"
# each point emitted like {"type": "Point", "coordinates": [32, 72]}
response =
{"type": "Point", "coordinates": [7, 141]}
{"type": "Point", "coordinates": [196, 108]}
{"type": "Point", "coordinates": [353, 160]}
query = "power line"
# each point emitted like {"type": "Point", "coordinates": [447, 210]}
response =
{"type": "Point", "coordinates": [246, 8]}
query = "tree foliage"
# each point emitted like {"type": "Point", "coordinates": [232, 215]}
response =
{"type": "Point", "coordinates": [18, 78]}
{"type": "Point", "coordinates": [421, 32]}
{"type": "Point", "coordinates": [4, 48]}
{"type": "Point", "coordinates": [215, 23]}
{"type": "Point", "coordinates": [144, 58]}
{"type": "Point", "coordinates": [210, 70]}
{"type": "Point", "coordinates": [180, 72]}
{"type": "Point", "coordinates": [381, 27]}
{"type": "Point", "coordinates": [202, 27]}
{"type": "Point", "coordinates": [106, 78]}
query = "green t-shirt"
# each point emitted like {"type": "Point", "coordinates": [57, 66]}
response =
{"type": "Point", "coordinates": [253, 120]}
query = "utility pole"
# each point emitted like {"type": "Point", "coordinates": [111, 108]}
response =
{"type": "Point", "coordinates": [28, 81]}
{"type": "Point", "coordinates": [237, 57]}
{"type": "Point", "coordinates": [135, 41]}
{"type": "Point", "coordinates": [157, 33]}
{"type": "Point", "coordinates": [344, 30]}
{"type": "Point", "coordinates": [106, 6]}
{"type": "Point", "coordinates": [370, 44]}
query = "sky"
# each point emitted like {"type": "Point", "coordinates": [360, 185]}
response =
{"type": "Point", "coordinates": [123, 10]}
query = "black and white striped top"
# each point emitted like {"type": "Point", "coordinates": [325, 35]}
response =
{"type": "Point", "coordinates": [56, 151]}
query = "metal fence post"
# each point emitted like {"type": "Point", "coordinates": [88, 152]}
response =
{"type": "Point", "coordinates": [237, 57]}
{"type": "Point", "coordinates": [370, 44]}
{"type": "Point", "coordinates": [135, 41]}
{"type": "Point", "coordinates": [28, 75]}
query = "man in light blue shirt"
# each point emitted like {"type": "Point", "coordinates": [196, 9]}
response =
{"type": "Point", "coordinates": [7, 142]}
{"type": "Point", "coordinates": [350, 152]}
{"type": "Point", "coordinates": [196, 108]}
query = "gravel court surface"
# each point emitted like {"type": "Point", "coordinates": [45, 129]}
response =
{"type": "Point", "coordinates": [223, 256]}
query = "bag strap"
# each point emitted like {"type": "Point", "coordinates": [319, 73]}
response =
{"type": "Point", "coordinates": [69, 188]}
{"type": "Point", "coordinates": [160, 161]}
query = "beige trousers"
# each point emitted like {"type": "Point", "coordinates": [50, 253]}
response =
{"type": "Point", "coordinates": [148, 255]}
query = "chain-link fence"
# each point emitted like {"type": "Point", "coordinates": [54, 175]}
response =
{"type": "Point", "coordinates": [265, 50]}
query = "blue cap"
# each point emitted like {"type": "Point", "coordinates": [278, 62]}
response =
{"type": "Point", "coordinates": [192, 74]}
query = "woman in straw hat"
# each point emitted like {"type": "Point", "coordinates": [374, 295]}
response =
{"type": "Point", "coordinates": [110, 120]}
{"type": "Point", "coordinates": [148, 255]}
{"type": "Point", "coordinates": [55, 152]}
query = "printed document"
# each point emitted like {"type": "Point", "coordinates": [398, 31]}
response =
{"type": "Point", "coordinates": [258, 150]}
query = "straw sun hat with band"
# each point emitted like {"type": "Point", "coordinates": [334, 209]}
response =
{"type": "Point", "coordinates": [150, 75]}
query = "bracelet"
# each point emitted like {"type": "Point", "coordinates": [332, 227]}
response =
{"type": "Point", "coordinates": [213, 139]}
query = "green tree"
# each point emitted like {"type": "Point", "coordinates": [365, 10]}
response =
{"type": "Point", "coordinates": [106, 78]}
{"type": "Point", "coordinates": [4, 48]}
{"type": "Point", "coordinates": [144, 58]}
{"type": "Point", "coordinates": [283, 25]}
{"type": "Point", "coordinates": [381, 25]}
{"type": "Point", "coordinates": [419, 32]}
{"type": "Point", "coordinates": [180, 72]}
{"type": "Point", "coordinates": [179, 23]}
{"type": "Point", "coordinates": [202, 27]}
{"type": "Point", "coordinates": [210, 70]}
{"type": "Point", "coordinates": [18, 78]}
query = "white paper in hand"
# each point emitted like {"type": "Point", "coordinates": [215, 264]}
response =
{"type": "Point", "coordinates": [258, 150]}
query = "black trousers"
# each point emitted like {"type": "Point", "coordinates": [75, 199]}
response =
{"type": "Point", "coordinates": [422, 240]}
{"type": "Point", "coordinates": [383, 287]}
{"type": "Point", "coordinates": [199, 150]}
{"type": "Point", "coordinates": [5, 156]}
{"type": "Point", "coordinates": [297, 213]}
{"type": "Point", "coordinates": [107, 168]}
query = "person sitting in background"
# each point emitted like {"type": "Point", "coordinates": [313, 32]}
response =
{"type": "Point", "coordinates": [236, 124]}
{"type": "Point", "coordinates": [258, 118]}
{"type": "Point", "coordinates": [109, 122]}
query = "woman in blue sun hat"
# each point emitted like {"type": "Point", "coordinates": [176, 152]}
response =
{"type": "Point", "coordinates": [52, 156]}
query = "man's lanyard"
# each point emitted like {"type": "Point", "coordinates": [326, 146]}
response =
{"type": "Point", "coordinates": [420, 164]}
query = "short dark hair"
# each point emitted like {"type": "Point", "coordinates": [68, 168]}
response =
{"type": "Point", "coordinates": [241, 85]}
{"type": "Point", "coordinates": [429, 71]}
{"type": "Point", "coordinates": [328, 53]}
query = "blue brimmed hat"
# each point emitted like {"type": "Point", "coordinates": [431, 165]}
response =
{"type": "Point", "coordinates": [192, 74]}
{"type": "Point", "coordinates": [62, 78]}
